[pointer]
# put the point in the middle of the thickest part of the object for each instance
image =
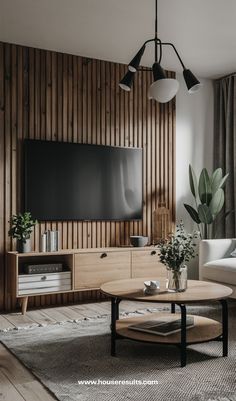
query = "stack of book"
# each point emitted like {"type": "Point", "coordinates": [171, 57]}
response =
{"type": "Point", "coordinates": [50, 241]}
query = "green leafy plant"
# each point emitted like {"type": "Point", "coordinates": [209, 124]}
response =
{"type": "Point", "coordinates": [178, 248]}
{"type": "Point", "coordinates": [209, 198]}
{"type": "Point", "coordinates": [21, 226]}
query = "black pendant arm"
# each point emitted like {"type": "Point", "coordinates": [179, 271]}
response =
{"type": "Point", "coordinates": [176, 52]}
{"type": "Point", "coordinates": [151, 40]}
{"type": "Point", "coordinates": [160, 53]}
{"type": "Point", "coordinates": [157, 41]}
{"type": "Point", "coordinates": [160, 43]}
{"type": "Point", "coordinates": [156, 44]}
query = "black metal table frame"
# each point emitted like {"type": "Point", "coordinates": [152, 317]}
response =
{"type": "Point", "coordinates": [115, 301]}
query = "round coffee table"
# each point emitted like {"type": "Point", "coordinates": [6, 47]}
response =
{"type": "Point", "coordinates": [204, 329]}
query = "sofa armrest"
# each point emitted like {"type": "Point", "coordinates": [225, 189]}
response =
{"type": "Point", "coordinates": [214, 249]}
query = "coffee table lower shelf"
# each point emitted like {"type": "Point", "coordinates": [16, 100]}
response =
{"type": "Point", "coordinates": [204, 330]}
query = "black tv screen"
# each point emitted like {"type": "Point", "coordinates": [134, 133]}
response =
{"type": "Point", "coordinates": [67, 181]}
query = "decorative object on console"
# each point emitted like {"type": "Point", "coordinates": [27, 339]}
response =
{"type": "Point", "coordinates": [209, 191]}
{"type": "Point", "coordinates": [163, 89]}
{"type": "Point", "coordinates": [138, 240]}
{"type": "Point", "coordinates": [22, 225]}
{"type": "Point", "coordinates": [178, 249]}
{"type": "Point", "coordinates": [50, 241]}
{"type": "Point", "coordinates": [161, 223]}
{"type": "Point", "coordinates": [43, 242]}
{"type": "Point", "coordinates": [43, 268]}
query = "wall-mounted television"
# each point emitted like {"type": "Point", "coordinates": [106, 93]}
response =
{"type": "Point", "coordinates": [69, 181]}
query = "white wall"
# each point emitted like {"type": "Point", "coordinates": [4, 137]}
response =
{"type": "Point", "coordinates": [194, 145]}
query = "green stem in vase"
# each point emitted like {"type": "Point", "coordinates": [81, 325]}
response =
{"type": "Point", "coordinates": [176, 278]}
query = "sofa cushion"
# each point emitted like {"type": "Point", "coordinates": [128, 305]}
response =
{"type": "Point", "coordinates": [222, 270]}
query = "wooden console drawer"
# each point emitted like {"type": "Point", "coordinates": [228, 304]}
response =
{"type": "Point", "coordinates": [95, 268]}
{"type": "Point", "coordinates": [43, 283]}
{"type": "Point", "coordinates": [147, 264]}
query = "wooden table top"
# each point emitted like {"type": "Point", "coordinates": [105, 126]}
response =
{"type": "Point", "coordinates": [197, 291]}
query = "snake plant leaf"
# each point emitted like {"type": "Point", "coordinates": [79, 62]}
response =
{"type": "Point", "coordinates": [205, 214]}
{"type": "Point", "coordinates": [204, 188]}
{"type": "Point", "coordinates": [193, 213]}
{"type": "Point", "coordinates": [193, 181]}
{"type": "Point", "coordinates": [221, 185]}
{"type": "Point", "coordinates": [216, 179]}
{"type": "Point", "coordinates": [217, 202]}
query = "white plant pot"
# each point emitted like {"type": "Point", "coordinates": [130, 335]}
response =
{"type": "Point", "coordinates": [24, 247]}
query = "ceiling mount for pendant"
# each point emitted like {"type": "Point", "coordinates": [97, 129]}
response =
{"type": "Point", "coordinates": [163, 89]}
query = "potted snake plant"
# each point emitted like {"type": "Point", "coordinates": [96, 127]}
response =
{"type": "Point", "coordinates": [209, 198]}
{"type": "Point", "coordinates": [22, 225]}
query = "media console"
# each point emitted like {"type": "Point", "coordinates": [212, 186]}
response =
{"type": "Point", "coordinates": [84, 269]}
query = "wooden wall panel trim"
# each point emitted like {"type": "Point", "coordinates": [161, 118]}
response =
{"type": "Point", "coordinates": [60, 97]}
{"type": "Point", "coordinates": [2, 175]}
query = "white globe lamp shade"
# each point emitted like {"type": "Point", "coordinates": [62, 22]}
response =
{"type": "Point", "coordinates": [163, 90]}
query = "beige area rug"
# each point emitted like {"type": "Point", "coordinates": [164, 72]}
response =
{"type": "Point", "coordinates": [60, 355]}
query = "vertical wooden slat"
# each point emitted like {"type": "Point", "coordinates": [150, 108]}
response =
{"type": "Point", "coordinates": [19, 124]}
{"type": "Point", "coordinates": [54, 96]}
{"type": "Point", "coordinates": [37, 129]}
{"type": "Point", "coordinates": [53, 122]}
{"type": "Point", "coordinates": [2, 172]}
{"type": "Point", "coordinates": [13, 129]}
{"type": "Point", "coordinates": [54, 128]}
{"type": "Point", "coordinates": [48, 96]}
{"type": "Point", "coordinates": [31, 113]}
{"type": "Point", "coordinates": [7, 154]}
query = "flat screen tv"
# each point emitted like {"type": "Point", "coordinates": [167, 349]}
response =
{"type": "Point", "coordinates": [65, 181]}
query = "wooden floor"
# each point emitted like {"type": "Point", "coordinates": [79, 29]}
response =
{"type": "Point", "coordinates": [16, 382]}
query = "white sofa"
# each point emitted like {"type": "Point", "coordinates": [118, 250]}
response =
{"type": "Point", "coordinates": [216, 264]}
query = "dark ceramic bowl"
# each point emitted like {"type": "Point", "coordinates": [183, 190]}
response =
{"type": "Point", "coordinates": [138, 240]}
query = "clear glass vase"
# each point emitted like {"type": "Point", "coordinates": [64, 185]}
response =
{"type": "Point", "coordinates": [177, 279]}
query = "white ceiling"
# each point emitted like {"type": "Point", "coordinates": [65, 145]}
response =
{"type": "Point", "coordinates": [203, 30]}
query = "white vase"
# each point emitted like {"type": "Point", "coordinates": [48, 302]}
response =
{"type": "Point", "coordinates": [24, 247]}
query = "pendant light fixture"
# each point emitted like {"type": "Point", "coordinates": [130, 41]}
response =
{"type": "Point", "coordinates": [162, 89]}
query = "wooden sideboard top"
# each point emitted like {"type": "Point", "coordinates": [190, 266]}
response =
{"type": "Point", "coordinates": [83, 250]}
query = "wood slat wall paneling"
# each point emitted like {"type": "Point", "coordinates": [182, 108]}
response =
{"type": "Point", "coordinates": [60, 97]}
{"type": "Point", "coordinates": [2, 174]}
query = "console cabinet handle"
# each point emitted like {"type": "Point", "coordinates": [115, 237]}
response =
{"type": "Point", "coordinates": [153, 253]}
{"type": "Point", "coordinates": [44, 278]}
{"type": "Point", "coordinates": [103, 255]}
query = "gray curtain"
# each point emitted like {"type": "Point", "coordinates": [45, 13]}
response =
{"type": "Point", "coordinates": [225, 149]}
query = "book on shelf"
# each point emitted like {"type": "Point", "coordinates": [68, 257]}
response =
{"type": "Point", "coordinates": [43, 268]}
{"type": "Point", "coordinates": [162, 327]}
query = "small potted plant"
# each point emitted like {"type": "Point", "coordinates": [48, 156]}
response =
{"type": "Point", "coordinates": [178, 249]}
{"type": "Point", "coordinates": [22, 225]}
